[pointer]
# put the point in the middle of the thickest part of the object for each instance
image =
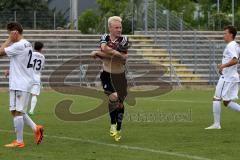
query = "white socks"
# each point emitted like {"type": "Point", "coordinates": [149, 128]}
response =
{"type": "Point", "coordinates": [29, 122]}
{"type": "Point", "coordinates": [217, 112]}
{"type": "Point", "coordinates": [234, 106]}
{"type": "Point", "coordinates": [33, 103]}
{"type": "Point", "coordinates": [19, 121]}
{"type": "Point", "coordinates": [19, 124]}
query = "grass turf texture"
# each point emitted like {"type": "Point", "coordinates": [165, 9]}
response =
{"type": "Point", "coordinates": [167, 127]}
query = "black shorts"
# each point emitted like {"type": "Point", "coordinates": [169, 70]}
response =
{"type": "Point", "coordinates": [113, 82]}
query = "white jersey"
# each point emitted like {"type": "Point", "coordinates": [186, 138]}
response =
{"type": "Point", "coordinates": [38, 61]}
{"type": "Point", "coordinates": [230, 74]}
{"type": "Point", "coordinates": [20, 72]}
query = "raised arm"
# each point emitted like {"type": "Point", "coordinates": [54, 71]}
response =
{"type": "Point", "coordinates": [4, 45]}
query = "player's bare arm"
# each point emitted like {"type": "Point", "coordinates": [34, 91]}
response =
{"type": "Point", "coordinates": [5, 44]}
{"type": "Point", "coordinates": [112, 52]}
{"type": "Point", "coordinates": [229, 64]}
{"type": "Point", "coordinates": [102, 55]}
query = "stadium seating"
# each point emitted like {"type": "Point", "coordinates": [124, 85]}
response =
{"type": "Point", "coordinates": [182, 58]}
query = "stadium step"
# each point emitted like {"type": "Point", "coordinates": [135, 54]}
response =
{"type": "Point", "coordinates": [190, 62]}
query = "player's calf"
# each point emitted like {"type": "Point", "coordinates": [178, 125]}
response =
{"type": "Point", "coordinates": [233, 105]}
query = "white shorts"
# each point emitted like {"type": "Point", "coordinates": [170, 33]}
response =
{"type": "Point", "coordinates": [226, 91]}
{"type": "Point", "coordinates": [18, 100]}
{"type": "Point", "coordinates": [36, 89]}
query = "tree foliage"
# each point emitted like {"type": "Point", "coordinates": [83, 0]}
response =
{"type": "Point", "coordinates": [218, 19]}
{"type": "Point", "coordinates": [112, 7]}
{"type": "Point", "coordinates": [106, 8]}
{"type": "Point", "coordinates": [199, 14]}
{"type": "Point", "coordinates": [209, 17]}
{"type": "Point", "coordinates": [109, 8]}
{"type": "Point", "coordinates": [88, 21]}
{"type": "Point", "coordinates": [24, 10]}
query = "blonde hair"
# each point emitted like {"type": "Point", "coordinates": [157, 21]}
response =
{"type": "Point", "coordinates": [114, 18]}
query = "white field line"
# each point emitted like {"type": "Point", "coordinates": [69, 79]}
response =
{"type": "Point", "coordinates": [149, 150]}
{"type": "Point", "coordinates": [183, 101]}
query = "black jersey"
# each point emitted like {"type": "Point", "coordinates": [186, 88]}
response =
{"type": "Point", "coordinates": [121, 44]}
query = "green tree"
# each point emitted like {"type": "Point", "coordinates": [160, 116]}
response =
{"type": "Point", "coordinates": [207, 9]}
{"type": "Point", "coordinates": [25, 14]}
{"type": "Point", "coordinates": [218, 20]}
{"type": "Point", "coordinates": [109, 8]}
{"type": "Point", "coordinates": [88, 21]}
{"type": "Point", "coordinates": [237, 18]}
{"type": "Point", "coordinates": [112, 7]}
{"type": "Point", "coordinates": [184, 7]}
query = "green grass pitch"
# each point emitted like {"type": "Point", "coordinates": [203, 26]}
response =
{"type": "Point", "coordinates": [167, 127]}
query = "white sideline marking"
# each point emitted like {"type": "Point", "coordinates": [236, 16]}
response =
{"type": "Point", "coordinates": [119, 146]}
{"type": "Point", "coordinates": [172, 100]}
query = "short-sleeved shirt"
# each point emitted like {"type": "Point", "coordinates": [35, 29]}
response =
{"type": "Point", "coordinates": [38, 61]}
{"type": "Point", "coordinates": [118, 67]}
{"type": "Point", "coordinates": [113, 44]}
{"type": "Point", "coordinates": [20, 72]}
{"type": "Point", "coordinates": [230, 74]}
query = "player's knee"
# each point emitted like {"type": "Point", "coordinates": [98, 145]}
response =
{"type": "Point", "coordinates": [216, 99]}
{"type": "Point", "coordinates": [113, 97]}
{"type": "Point", "coordinates": [13, 113]}
{"type": "Point", "coordinates": [17, 113]}
{"type": "Point", "coordinates": [226, 103]}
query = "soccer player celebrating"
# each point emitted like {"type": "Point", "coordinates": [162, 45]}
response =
{"type": "Point", "coordinates": [114, 54]}
{"type": "Point", "coordinates": [19, 51]}
{"type": "Point", "coordinates": [227, 86]}
{"type": "Point", "coordinates": [38, 61]}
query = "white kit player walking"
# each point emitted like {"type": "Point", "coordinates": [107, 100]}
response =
{"type": "Point", "coordinates": [227, 86]}
{"type": "Point", "coordinates": [19, 52]}
{"type": "Point", "coordinates": [38, 61]}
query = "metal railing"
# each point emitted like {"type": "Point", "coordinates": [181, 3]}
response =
{"type": "Point", "coordinates": [33, 19]}
{"type": "Point", "coordinates": [181, 41]}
